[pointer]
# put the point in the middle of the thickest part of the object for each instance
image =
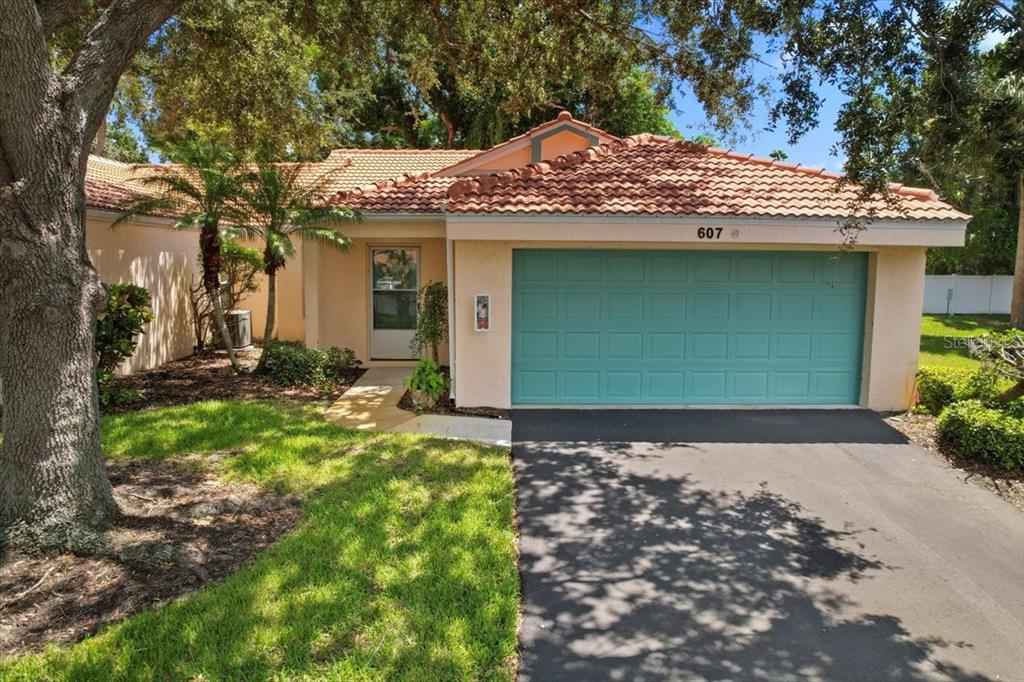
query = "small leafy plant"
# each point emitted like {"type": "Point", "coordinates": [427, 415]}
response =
{"type": "Point", "coordinates": [117, 330]}
{"type": "Point", "coordinates": [427, 384]}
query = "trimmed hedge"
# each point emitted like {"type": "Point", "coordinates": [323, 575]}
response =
{"type": "Point", "coordinates": [1015, 408]}
{"type": "Point", "coordinates": [939, 387]}
{"type": "Point", "coordinates": [977, 431]}
{"type": "Point", "coordinates": [289, 363]}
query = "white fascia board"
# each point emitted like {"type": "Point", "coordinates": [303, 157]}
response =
{"type": "Point", "coordinates": [688, 230]}
{"type": "Point", "coordinates": [731, 221]}
{"type": "Point", "coordinates": [146, 220]}
{"type": "Point", "coordinates": [412, 216]}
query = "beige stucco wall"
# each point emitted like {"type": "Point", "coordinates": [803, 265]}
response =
{"type": "Point", "coordinates": [556, 144]}
{"type": "Point", "coordinates": [289, 320]}
{"type": "Point", "coordinates": [339, 283]}
{"type": "Point", "coordinates": [892, 330]}
{"type": "Point", "coordinates": [151, 254]}
{"type": "Point", "coordinates": [484, 359]}
{"type": "Point", "coordinates": [161, 259]}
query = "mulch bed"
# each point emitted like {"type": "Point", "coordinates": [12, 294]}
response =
{"type": "Point", "coordinates": [921, 429]}
{"type": "Point", "coordinates": [182, 529]}
{"type": "Point", "coordinates": [208, 376]}
{"type": "Point", "coordinates": [446, 407]}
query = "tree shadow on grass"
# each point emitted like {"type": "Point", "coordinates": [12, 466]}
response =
{"type": "Point", "coordinates": [403, 568]}
{"type": "Point", "coordinates": [634, 575]}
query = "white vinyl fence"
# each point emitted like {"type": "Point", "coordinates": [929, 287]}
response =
{"type": "Point", "coordinates": [967, 294]}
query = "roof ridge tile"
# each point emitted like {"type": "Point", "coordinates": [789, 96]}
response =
{"type": "Point", "coordinates": [465, 186]}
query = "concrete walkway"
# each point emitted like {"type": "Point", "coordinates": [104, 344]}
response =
{"type": "Point", "coordinates": [371, 404]}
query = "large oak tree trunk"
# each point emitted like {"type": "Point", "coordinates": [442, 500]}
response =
{"type": "Point", "coordinates": [1017, 303]}
{"type": "Point", "coordinates": [54, 491]}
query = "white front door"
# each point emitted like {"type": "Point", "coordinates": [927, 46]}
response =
{"type": "Point", "coordinates": [394, 281]}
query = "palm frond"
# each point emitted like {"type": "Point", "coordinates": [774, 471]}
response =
{"type": "Point", "coordinates": [143, 206]}
{"type": "Point", "coordinates": [328, 237]}
{"type": "Point", "coordinates": [280, 246]}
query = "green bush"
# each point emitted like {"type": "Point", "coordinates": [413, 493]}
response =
{"type": "Point", "coordinates": [289, 363]}
{"type": "Point", "coordinates": [117, 331]}
{"type": "Point", "coordinates": [938, 387]}
{"type": "Point", "coordinates": [427, 384]}
{"type": "Point", "coordinates": [980, 432]}
{"type": "Point", "coordinates": [1015, 408]}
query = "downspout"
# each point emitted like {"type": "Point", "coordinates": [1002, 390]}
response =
{"type": "Point", "coordinates": [450, 262]}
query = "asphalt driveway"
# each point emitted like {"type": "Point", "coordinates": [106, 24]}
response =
{"type": "Point", "coordinates": [758, 545]}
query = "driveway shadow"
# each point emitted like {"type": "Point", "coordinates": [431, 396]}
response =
{"type": "Point", "coordinates": [704, 426]}
{"type": "Point", "coordinates": [629, 574]}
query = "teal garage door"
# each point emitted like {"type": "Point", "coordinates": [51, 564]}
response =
{"type": "Point", "coordinates": [686, 327]}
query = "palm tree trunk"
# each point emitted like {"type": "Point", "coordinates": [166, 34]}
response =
{"type": "Point", "coordinates": [222, 329]}
{"type": "Point", "coordinates": [1017, 304]}
{"type": "Point", "coordinates": [268, 329]}
{"type": "Point", "coordinates": [209, 247]}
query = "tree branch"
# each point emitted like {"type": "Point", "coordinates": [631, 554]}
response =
{"type": "Point", "coordinates": [56, 14]}
{"type": "Point", "coordinates": [108, 49]}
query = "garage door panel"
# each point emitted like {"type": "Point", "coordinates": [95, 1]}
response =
{"type": "Point", "coordinates": [686, 327]}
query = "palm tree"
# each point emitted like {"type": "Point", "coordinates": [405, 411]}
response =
{"type": "Point", "coordinates": [202, 189]}
{"type": "Point", "coordinates": [285, 200]}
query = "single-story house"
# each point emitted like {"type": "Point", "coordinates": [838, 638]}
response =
{"type": "Point", "coordinates": [584, 269]}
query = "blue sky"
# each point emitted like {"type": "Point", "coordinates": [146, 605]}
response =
{"type": "Point", "coordinates": [816, 148]}
{"type": "Point", "coordinates": [813, 149]}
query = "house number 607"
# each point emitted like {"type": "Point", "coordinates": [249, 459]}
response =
{"type": "Point", "coordinates": [709, 233]}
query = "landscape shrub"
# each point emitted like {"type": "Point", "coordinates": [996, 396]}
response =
{"type": "Point", "coordinates": [427, 384]}
{"type": "Point", "coordinates": [986, 433]}
{"type": "Point", "coordinates": [117, 330]}
{"type": "Point", "coordinates": [1002, 355]}
{"type": "Point", "coordinates": [289, 363]}
{"type": "Point", "coordinates": [1015, 408]}
{"type": "Point", "coordinates": [938, 387]}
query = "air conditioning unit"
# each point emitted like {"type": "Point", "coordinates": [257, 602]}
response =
{"type": "Point", "coordinates": [239, 327]}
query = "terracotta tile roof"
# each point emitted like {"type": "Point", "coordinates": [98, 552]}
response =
{"type": "Point", "coordinates": [424, 193]}
{"type": "Point", "coordinates": [112, 184]}
{"type": "Point", "coordinates": [650, 175]}
{"type": "Point", "coordinates": [354, 168]}
{"type": "Point", "coordinates": [564, 118]}
{"type": "Point", "coordinates": [106, 195]}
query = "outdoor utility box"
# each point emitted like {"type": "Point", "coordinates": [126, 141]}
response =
{"type": "Point", "coordinates": [239, 327]}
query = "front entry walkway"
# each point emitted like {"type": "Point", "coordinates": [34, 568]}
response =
{"type": "Point", "coordinates": [371, 404]}
{"type": "Point", "coordinates": [768, 545]}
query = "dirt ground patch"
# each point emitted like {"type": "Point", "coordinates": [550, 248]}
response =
{"type": "Point", "coordinates": [921, 429]}
{"type": "Point", "coordinates": [208, 376]}
{"type": "Point", "coordinates": [182, 529]}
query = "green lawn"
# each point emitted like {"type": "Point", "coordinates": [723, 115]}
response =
{"type": "Point", "coordinates": [404, 567]}
{"type": "Point", "coordinates": [944, 339]}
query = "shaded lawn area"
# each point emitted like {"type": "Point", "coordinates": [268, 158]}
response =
{"type": "Point", "coordinates": [403, 567]}
{"type": "Point", "coordinates": [944, 340]}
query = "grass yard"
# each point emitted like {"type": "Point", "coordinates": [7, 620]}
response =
{"type": "Point", "coordinates": [404, 566]}
{"type": "Point", "coordinates": [944, 339]}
